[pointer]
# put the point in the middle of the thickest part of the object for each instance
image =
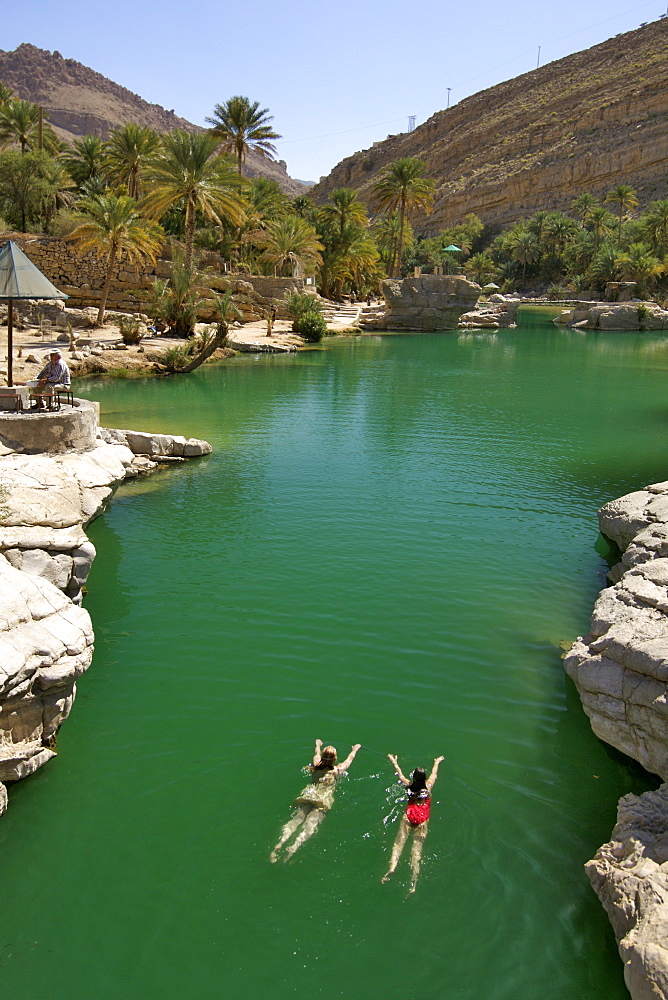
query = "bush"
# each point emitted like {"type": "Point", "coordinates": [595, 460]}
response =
{"type": "Point", "coordinates": [556, 292]}
{"type": "Point", "coordinates": [311, 326]}
{"type": "Point", "coordinates": [178, 357]}
{"type": "Point", "coordinates": [64, 222]}
{"type": "Point", "coordinates": [298, 304]}
{"type": "Point", "coordinates": [130, 330]}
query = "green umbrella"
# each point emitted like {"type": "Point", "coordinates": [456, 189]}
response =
{"type": "Point", "coordinates": [20, 279]}
{"type": "Point", "coordinates": [453, 249]}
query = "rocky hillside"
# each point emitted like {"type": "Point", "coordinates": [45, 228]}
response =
{"type": "Point", "coordinates": [584, 123]}
{"type": "Point", "coordinates": [79, 101]}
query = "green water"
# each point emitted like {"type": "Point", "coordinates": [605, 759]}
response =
{"type": "Point", "coordinates": [387, 546]}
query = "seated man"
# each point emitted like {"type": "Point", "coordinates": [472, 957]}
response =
{"type": "Point", "coordinates": [54, 373]}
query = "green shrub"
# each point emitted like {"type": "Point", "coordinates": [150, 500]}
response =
{"type": "Point", "coordinates": [129, 329]}
{"type": "Point", "coordinates": [178, 357]}
{"type": "Point", "coordinates": [556, 292]}
{"type": "Point", "coordinates": [299, 304]}
{"type": "Point", "coordinates": [311, 325]}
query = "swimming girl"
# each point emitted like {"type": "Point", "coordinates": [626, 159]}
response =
{"type": "Point", "coordinates": [314, 802]}
{"type": "Point", "coordinates": [415, 816]}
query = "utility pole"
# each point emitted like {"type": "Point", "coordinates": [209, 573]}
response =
{"type": "Point", "coordinates": [538, 60]}
{"type": "Point", "coordinates": [448, 104]}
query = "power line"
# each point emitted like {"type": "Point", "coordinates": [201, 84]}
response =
{"type": "Point", "coordinates": [519, 55]}
{"type": "Point", "coordinates": [327, 135]}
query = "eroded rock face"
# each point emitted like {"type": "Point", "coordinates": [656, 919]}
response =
{"type": "Point", "coordinates": [429, 302]}
{"type": "Point", "coordinates": [621, 673]}
{"type": "Point", "coordinates": [45, 645]}
{"type": "Point", "coordinates": [630, 877]}
{"type": "Point", "coordinates": [621, 668]}
{"type": "Point", "coordinates": [45, 636]}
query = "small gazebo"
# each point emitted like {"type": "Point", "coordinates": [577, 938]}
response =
{"type": "Point", "coordinates": [20, 279]}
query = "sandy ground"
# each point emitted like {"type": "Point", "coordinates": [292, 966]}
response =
{"type": "Point", "coordinates": [28, 343]}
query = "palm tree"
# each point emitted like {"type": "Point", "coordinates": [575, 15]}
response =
{"type": "Point", "coordinates": [624, 196]}
{"type": "Point", "coordinates": [21, 123]}
{"type": "Point", "coordinates": [85, 159]}
{"type": "Point", "coordinates": [480, 267]}
{"type": "Point", "coordinates": [227, 314]}
{"type": "Point", "coordinates": [188, 170]}
{"type": "Point", "coordinates": [129, 151]}
{"type": "Point", "coordinates": [582, 205]}
{"type": "Point", "coordinates": [289, 240]}
{"type": "Point", "coordinates": [6, 93]}
{"type": "Point", "coordinates": [640, 265]}
{"type": "Point", "coordinates": [558, 229]}
{"type": "Point", "coordinates": [345, 208]}
{"type": "Point", "coordinates": [240, 126]}
{"type": "Point", "coordinates": [114, 230]}
{"type": "Point", "coordinates": [600, 222]}
{"type": "Point", "coordinates": [386, 232]}
{"type": "Point", "coordinates": [524, 249]}
{"type": "Point", "coordinates": [604, 267]}
{"type": "Point", "coordinates": [58, 190]}
{"type": "Point", "coordinates": [656, 225]}
{"type": "Point", "coordinates": [404, 188]}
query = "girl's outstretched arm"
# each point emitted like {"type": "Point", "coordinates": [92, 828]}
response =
{"type": "Point", "coordinates": [316, 753]}
{"type": "Point", "coordinates": [392, 757]}
{"type": "Point", "coordinates": [431, 780]}
{"type": "Point", "coordinates": [344, 765]}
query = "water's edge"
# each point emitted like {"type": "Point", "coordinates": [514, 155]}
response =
{"type": "Point", "coordinates": [46, 637]}
{"type": "Point", "coordinates": [619, 671]}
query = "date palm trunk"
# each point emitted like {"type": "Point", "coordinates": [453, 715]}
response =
{"type": "Point", "coordinates": [107, 283]}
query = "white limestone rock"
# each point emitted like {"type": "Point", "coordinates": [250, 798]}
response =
{"type": "Point", "coordinates": [630, 877]}
{"type": "Point", "coordinates": [45, 645]}
{"type": "Point", "coordinates": [621, 673]}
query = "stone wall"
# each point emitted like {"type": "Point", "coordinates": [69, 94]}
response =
{"type": "Point", "coordinates": [68, 429]}
{"type": "Point", "coordinates": [81, 277]}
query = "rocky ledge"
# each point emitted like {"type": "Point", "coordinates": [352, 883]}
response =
{"type": "Point", "coordinates": [427, 302]}
{"type": "Point", "coordinates": [619, 316]}
{"type": "Point", "coordinates": [621, 672]}
{"type": "Point", "coordinates": [46, 637]}
{"type": "Point", "coordinates": [498, 312]}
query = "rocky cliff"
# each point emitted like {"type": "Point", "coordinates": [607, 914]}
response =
{"type": "Point", "coordinates": [584, 123]}
{"type": "Point", "coordinates": [621, 672]}
{"type": "Point", "coordinates": [46, 638]}
{"type": "Point", "coordinates": [78, 101]}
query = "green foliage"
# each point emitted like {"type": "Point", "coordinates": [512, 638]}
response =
{"type": "Point", "coordinates": [30, 185]}
{"type": "Point", "coordinates": [129, 329]}
{"type": "Point", "coordinates": [311, 326]}
{"type": "Point", "coordinates": [299, 303]}
{"type": "Point", "coordinates": [176, 358]}
{"type": "Point", "coordinates": [175, 302]}
{"type": "Point", "coordinates": [239, 125]}
{"type": "Point", "coordinates": [305, 311]}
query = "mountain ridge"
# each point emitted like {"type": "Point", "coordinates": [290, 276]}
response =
{"type": "Point", "coordinates": [593, 119]}
{"type": "Point", "coordinates": [80, 101]}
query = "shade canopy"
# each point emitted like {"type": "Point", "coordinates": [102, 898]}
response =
{"type": "Point", "coordinates": [490, 287]}
{"type": "Point", "coordinates": [20, 279]}
{"type": "Point", "coordinates": [452, 248]}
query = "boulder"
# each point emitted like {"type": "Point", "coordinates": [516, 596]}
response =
{"type": "Point", "coordinates": [428, 302]}
{"type": "Point", "coordinates": [630, 876]}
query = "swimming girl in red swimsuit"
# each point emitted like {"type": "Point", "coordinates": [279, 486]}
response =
{"type": "Point", "coordinates": [415, 816]}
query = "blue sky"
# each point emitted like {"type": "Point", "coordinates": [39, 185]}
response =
{"type": "Point", "coordinates": [337, 77]}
